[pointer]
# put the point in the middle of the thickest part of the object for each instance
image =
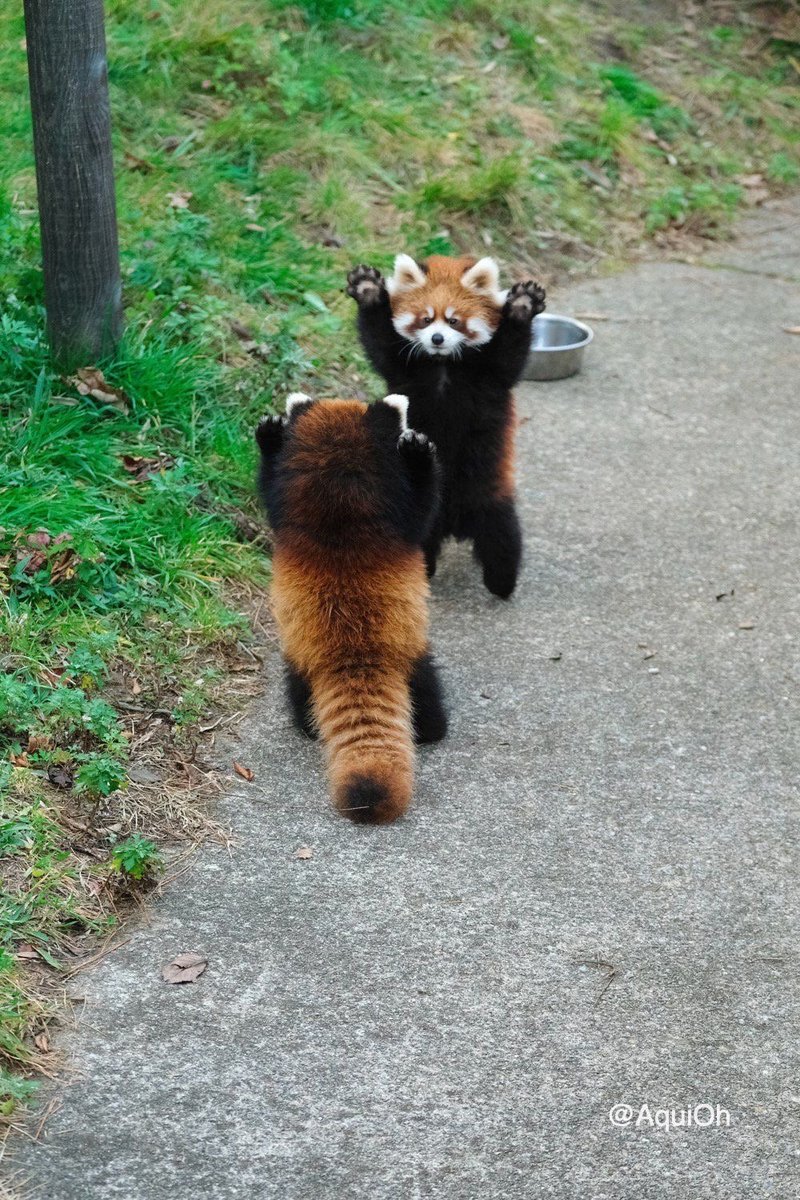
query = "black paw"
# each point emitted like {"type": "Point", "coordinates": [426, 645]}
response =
{"type": "Point", "coordinates": [499, 582]}
{"type": "Point", "coordinates": [365, 284]}
{"type": "Point", "coordinates": [415, 447]}
{"type": "Point", "coordinates": [525, 300]}
{"type": "Point", "coordinates": [269, 432]}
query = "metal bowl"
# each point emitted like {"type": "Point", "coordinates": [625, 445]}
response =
{"type": "Point", "coordinates": [557, 346]}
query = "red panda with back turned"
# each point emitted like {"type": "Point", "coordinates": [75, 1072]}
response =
{"type": "Point", "coordinates": [443, 333]}
{"type": "Point", "coordinates": [351, 494]}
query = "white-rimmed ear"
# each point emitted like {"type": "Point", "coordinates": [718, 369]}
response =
{"type": "Point", "coordinates": [484, 278]}
{"type": "Point", "coordinates": [296, 398]}
{"type": "Point", "coordinates": [408, 274]}
{"type": "Point", "coordinates": [401, 404]}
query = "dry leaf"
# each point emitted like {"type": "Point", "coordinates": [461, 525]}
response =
{"type": "Point", "coordinates": [142, 468]}
{"type": "Point", "coordinates": [184, 968]}
{"type": "Point", "coordinates": [90, 381]}
{"type": "Point", "coordinates": [136, 687]}
{"type": "Point", "coordinates": [42, 1042]}
{"type": "Point", "coordinates": [243, 772]}
{"type": "Point", "coordinates": [134, 163]}
{"type": "Point", "coordinates": [254, 228]}
{"type": "Point", "coordinates": [19, 760]}
{"type": "Point", "coordinates": [61, 775]}
{"type": "Point", "coordinates": [791, 329]}
{"type": "Point", "coordinates": [26, 950]}
{"type": "Point", "coordinates": [179, 199]}
{"type": "Point", "coordinates": [303, 852]}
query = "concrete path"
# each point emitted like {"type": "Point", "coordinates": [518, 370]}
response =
{"type": "Point", "coordinates": [596, 898]}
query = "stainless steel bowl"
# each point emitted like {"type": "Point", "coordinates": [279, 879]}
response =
{"type": "Point", "coordinates": [557, 346]}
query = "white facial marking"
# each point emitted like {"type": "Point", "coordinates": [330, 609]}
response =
{"type": "Point", "coordinates": [449, 312]}
{"type": "Point", "coordinates": [401, 404]}
{"type": "Point", "coordinates": [402, 322]}
{"type": "Point", "coordinates": [481, 332]}
{"type": "Point", "coordinates": [407, 275]}
{"type": "Point", "coordinates": [294, 399]}
{"type": "Point", "coordinates": [451, 341]}
{"type": "Point", "coordinates": [484, 278]}
{"type": "Point", "coordinates": [429, 312]}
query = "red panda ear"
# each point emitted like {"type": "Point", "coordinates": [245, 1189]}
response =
{"type": "Point", "coordinates": [296, 400]}
{"type": "Point", "coordinates": [408, 274]}
{"type": "Point", "coordinates": [484, 278]}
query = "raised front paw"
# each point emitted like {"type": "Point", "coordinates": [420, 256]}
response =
{"type": "Point", "coordinates": [416, 447]}
{"type": "Point", "coordinates": [365, 284]}
{"type": "Point", "coordinates": [269, 432]}
{"type": "Point", "coordinates": [525, 300]}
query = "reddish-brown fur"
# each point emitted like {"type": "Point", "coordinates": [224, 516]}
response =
{"type": "Point", "coordinates": [352, 609]}
{"type": "Point", "coordinates": [442, 290]}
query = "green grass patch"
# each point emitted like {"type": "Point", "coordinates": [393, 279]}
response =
{"type": "Point", "coordinates": [260, 151]}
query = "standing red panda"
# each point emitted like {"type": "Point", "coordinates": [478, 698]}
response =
{"type": "Point", "coordinates": [443, 333]}
{"type": "Point", "coordinates": [351, 495]}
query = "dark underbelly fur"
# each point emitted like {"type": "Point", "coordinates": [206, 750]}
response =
{"type": "Point", "coordinates": [465, 407]}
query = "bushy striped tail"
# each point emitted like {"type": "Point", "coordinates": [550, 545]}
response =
{"type": "Point", "coordinates": [365, 721]}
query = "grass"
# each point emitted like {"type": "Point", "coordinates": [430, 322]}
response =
{"type": "Point", "coordinates": [261, 150]}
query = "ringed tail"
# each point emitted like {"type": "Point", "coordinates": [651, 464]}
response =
{"type": "Point", "coordinates": [364, 718]}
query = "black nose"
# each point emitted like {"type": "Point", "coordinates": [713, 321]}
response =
{"type": "Point", "coordinates": [437, 339]}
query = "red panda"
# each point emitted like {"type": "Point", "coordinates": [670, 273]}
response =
{"type": "Point", "coordinates": [445, 334]}
{"type": "Point", "coordinates": [351, 494]}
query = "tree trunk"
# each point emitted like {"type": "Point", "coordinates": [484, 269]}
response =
{"type": "Point", "coordinates": [75, 177]}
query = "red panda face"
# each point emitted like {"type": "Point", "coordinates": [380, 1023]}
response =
{"type": "Point", "coordinates": [445, 305]}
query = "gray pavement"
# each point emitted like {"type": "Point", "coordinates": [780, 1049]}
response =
{"type": "Point", "coordinates": [415, 1012]}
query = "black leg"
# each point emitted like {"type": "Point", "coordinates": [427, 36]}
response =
{"type": "Point", "coordinates": [427, 703]}
{"type": "Point", "coordinates": [498, 546]}
{"type": "Point", "coordinates": [419, 456]}
{"type": "Point", "coordinates": [431, 548]}
{"type": "Point", "coordinates": [299, 696]}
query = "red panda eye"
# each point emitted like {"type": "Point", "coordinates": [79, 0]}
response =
{"type": "Point", "coordinates": [427, 320]}
{"type": "Point", "coordinates": [453, 321]}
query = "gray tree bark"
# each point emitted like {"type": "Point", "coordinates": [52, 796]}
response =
{"type": "Point", "coordinates": [75, 177]}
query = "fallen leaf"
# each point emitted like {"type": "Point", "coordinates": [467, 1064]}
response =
{"type": "Point", "coordinates": [184, 968]}
{"type": "Point", "coordinates": [747, 624]}
{"type": "Point", "coordinates": [39, 741]}
{"type": "Point", "coordinates": [254, 228]}
{"type": "Point", "coordinates": [244, 772]}
{"type": "Point", "coordinates": [27, 951]}
{"type": "Point", "coordinates": [750, 180]}
{"type": "Point", "coordinates": [19, 760]}
{"type": "Point", "coordinates": [90, 381]}
{"type": "Point", "coordinates": [303, 852]}
{"type": "Point", "coordinates": [791, 329]}
{"type": "Point", "coordinates": [179, 199]}
{"type": "Point", "coordinates": [142, 468]}
{"type": "Point", "coordinates": [134, 163]}
{"type": "Point", "coordinates": [61, 775]}
{"type": "Point", "coordinates": [242, 332]}
{"type": "Point", "coordinates": [42, 1042]}
{"type": "Point", "coordinates": [136, 687]}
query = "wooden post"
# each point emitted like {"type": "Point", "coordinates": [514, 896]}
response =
{"type": "Point", "coordinates": [75, 177]}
